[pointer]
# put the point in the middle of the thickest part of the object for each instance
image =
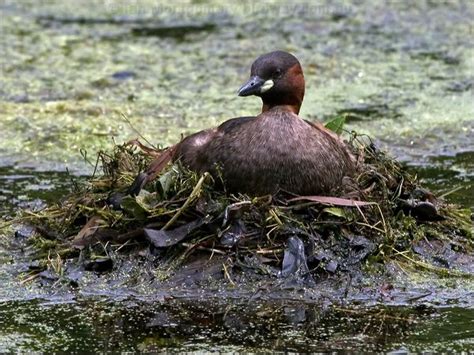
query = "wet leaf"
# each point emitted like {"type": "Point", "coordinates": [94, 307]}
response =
{"type": "Point", "coordinates": [336, 201]}
{"type": "Point", "coordinates": [336, 125]}
{"type": "Point", "coordinates": [235, 211]}
{"type": "Point", "coordinates": [335, 211]}
{"type": "Point", "coordinates": [360, 249]}
{"type": "Point", "coordinates": [48, 275]}
{"type": "Point", "coordinates": [331, 266]}
{"type": "Point", "coordinates": [294, 259]}
{"type": "Point", "coordinates": [115, 200]}
{"type": "Point", "coordinates": [426, 211]}
{"type": "Point", "coordinates": [138, 184]}
{"type": "Point", "coordinates": [147, 200]}
{"type": "Point", "coordinates": [99, 265]}
{"type": "Point", "coordinates": [233, 234]}
{"type": "Point", "coordinates": [86, 234]}
{"type": "Point", "coordinates": [165, 238]}
{"type": "Point", "coordinates": [165, 182]}
{"type": "Point", "coordinates": [132, 207]}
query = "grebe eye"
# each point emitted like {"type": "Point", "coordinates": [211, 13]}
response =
{"type": "Point", "coordinates": [276, 73]}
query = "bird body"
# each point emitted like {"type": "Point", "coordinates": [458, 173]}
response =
{"type": "Point", "coordinates": [276, 150]}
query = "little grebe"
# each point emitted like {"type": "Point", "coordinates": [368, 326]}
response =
{"type": "Point", "coordinates": [276, 150]}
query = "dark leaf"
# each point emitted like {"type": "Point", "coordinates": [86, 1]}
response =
{"type": "Point", "coordinates": [426, 211]}
{"type": "Point", "coordinates": [331, 266]}
{"type": "Point", "coordinates": [165, 238]}
{"type": "Point", "coordinates": [99, 265]}
{"type": "Point", "coordinates": [294, 259]}
{"type": "Point", "coordinates": [48, 275]}
{"type": "Point", "coordinates": [235, 211]}
{"type": "Point", "coordinates": [136, 185]}
{"type": "Point", "coordinates": [25, 231]}
{"type": "Point", "coordinates": [233, 234]}
{"type": "Point", "coordinates": [165, 182]}
{"type": "Point", "coordinates": [115, 200]}
{"type": "Point", "coordinates": [360, 249]}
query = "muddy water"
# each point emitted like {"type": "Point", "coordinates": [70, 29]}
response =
{"type": "Point", "coordinates": [401, 72]}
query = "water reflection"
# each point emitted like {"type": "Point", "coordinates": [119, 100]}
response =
{"type": "Point", "coordinates": [190, 325]}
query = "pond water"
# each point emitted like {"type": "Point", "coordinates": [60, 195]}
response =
{"type": "Point", "coordinates": [77, 76]}
{"type": "Point", "coordinates": [95, 325]}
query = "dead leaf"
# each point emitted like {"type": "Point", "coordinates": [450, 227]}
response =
{"type": "Point", "coordinates": [150, 151]}
{"type": "Point", "coordinates": [160, 162]}
{"type": "Point", "coordinates": [336, 201]}
{"type": "Point", "coordinates": [86, 234]}
{"type": "Point", "coordinates": [156, 166]}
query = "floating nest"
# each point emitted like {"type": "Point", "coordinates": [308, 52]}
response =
{"type": "Point", "coordinates": [380, 216]}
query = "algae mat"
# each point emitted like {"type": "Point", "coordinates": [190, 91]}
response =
{"type": "Point", "coordinates": [401, 72]}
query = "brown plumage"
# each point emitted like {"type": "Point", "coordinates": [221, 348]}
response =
{"type": "Point", "coordinates": [276, 150]}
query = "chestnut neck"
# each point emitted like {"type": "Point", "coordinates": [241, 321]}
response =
{"type": "Point", "coordinates": [285, 101]}
{"type": "Point", "coordinates": [295, 108]}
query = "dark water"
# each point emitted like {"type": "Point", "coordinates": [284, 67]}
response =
{"type": "Point", "coordinates": [401, 71]}
{"type": "Point", "coordinates": [94, 325]}
{"type": "Point", "coordinates": [29, 188]}
{"type": "Point", "coordinates": [452, 176]}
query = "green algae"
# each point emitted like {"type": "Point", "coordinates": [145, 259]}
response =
{"type": "Point", "coordinates": [58, 70]}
